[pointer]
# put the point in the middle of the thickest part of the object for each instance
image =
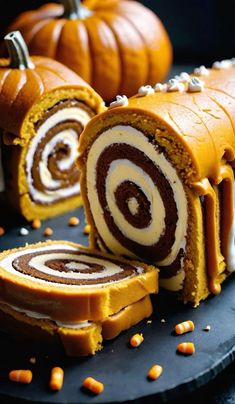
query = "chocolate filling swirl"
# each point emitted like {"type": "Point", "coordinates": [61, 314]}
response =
{"type": "Point", "coordinates": [71, 267]}
{"type": "Point", "coordinates": [52, 167]}
{"type": "Point", "coordinates": [126, 190]}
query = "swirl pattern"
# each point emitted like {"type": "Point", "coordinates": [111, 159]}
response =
{"type": "Point", "coordinates": [65, 266]}
{"type": "Point", "coordinates": [137, 199]}
{"type": "Point", "coordinates": [51, 168]}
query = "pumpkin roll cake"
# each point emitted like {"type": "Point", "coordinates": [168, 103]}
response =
{"type": "Point", "coordinates": [43, 109]}
{"type": "Point", "coordinates": [158, 179]}
{"type": "Point", "coordinates": [70, 293]}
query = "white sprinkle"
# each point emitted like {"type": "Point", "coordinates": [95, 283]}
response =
{"type": "Point", "coordinates": [149, 322]}
{"type": "Point", "coordinates": [174, 85]}
{"type": "Point", "coordinates": [24, 231]}
{"type": "Point", "coordinates": [195, 85]}
{"type": "Point", "coordinates": [207, 328]}
{"type": "Point", "coordinates": [121, 101]}
{"type": "Point", "coordinates": [163, 320]}
{"type": "Point", "coordinates": [145, 90]}
{"type": "Point", "coordinates": [201, 71]}
{"type": "Point", "coordinates": [183, 77]}
{"type": "Point", "coordinates": [224, 64]}
{"type": "Point", "coordinates": [159, 87]}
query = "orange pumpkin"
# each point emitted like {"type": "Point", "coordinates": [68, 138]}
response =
{"type": "Point", "coordinates": [44, 107]}
{"type": "Point", "coordinates": [116, 46]}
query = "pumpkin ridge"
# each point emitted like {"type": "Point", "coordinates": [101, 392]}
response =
{"type": "Point", "coordinates": [119, 49]}
{"type": "Point", "coordinates": [91, 47]}
{"type": "Point", "coordinates": [33, 32]}
{"type": "Point", "coordinates": [47, 32]}
{"type": "Point", "coordinates": [42, 72]}
{"type": "Point", "coordinates": [104, 35]}
{"type": "Point", "coordinates": [57, 40]}
{"type": "Point", "coordinates": [89, 51]}
{"type": "Point", "coordinates": [128, 47]}
{"type": "Point", "coordinates": [3, 78]}
{"type": "Point", "coordinates": [20, 85]}
{"type": "Point", "coordinates": [159, 28]}
{"type": "Point", "coordinates": [38, 79]}
{"type": "Point", "coordinates": [143, 40]}
{"type": "Point", "coordinates": [55, 73]}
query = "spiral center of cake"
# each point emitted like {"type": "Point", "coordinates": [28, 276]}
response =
{"type": "Point", "coordinates": [68, 267]}
{"type": "Point", "coordinates": [137, 199]}
{"type": "Point", "coordinates": [133, 206]}
{"type": "Point", "coordinates": [51, 168]}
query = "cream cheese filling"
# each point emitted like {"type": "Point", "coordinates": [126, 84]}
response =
{"type": "Point", "coordinates": [135, 138]}
{"type": "Point", "coordinates": [38, 262]}
{"type": "Point", "coordinates": [70, 139]}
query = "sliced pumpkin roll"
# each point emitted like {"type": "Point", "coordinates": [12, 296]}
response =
{"type": "Point", "coordinates": [158, 179]}
{"type": "Point", "coordinates": [43, 109]}
{"type": "Point", "coordinates": [73, 294]}
{"type": "Point", "coordinates": [77, 339]}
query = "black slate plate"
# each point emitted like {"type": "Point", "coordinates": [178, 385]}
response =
{"type": "Point", "coordinates": [122, 369]}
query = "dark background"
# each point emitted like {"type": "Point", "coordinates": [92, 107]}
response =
{"type": "Point", "coordinates": [201, 30]}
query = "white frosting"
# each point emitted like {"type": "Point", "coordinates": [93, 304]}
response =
{"type": "Point", "coordinates": [2, 182]}
{"type": "Point", "coordinates": [110, 269]}
{"type": "Point", "coordinates": [175, 85]}
{"type": "Point", "coordinates": [224, 64]}
{"type": "Point", "coordinates": [233, 61]}
{"type": "Point", "coordinates": [39, 316]}
{"type": "Point", "coordinates": [201, 71]}
{"type": "Point", "coordinates": [183, 77]}
{"type": "Point", "coordinates": [145, 90]}
{"type": "Point", "coordinates": [24, 231]}
{"type": "Point", "coordinates": [37, 262]}
{"type": "Point", "coordinates": [133, 205]}
{"type": "Point", "coordinates": [124, 170]}
{"type": "Point", "coordinates": [175, 283]}
{"type": "Point", "coordinates": [160, 87]}
{"type": "Point", "coordinates": [231, 245]}
{"type": "Point", "coordinates": [195, 85]}
{"type": "Point", "coordinates": [69, 138]}
{"type": "Point", "coordinates": [121, 101]}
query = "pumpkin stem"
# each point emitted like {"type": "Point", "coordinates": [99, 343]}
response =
{"type": "Point", "coordinates": [73, 10]}
{"type": "Point", "coordinates": [18, 51]}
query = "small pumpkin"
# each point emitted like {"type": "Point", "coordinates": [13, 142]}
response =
{"type": "Point", "coordinates": [44, 107]}
{"type": "Point", "coordinates": [116, 46]}
{"type": "Point", "coordinates": [24, 80]}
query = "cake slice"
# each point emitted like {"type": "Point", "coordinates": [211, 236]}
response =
{"type": "Point", "coordinates": [43, 109]}
{"type": "Point", "coordinates": [158, 181]}
{"type": "Point", "coordinates": [78, 339]}
{"type": "Point", "coordinates": [65, 290]}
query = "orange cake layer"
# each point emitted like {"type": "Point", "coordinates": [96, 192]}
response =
{"type": "Point", "coordinates": [71, 283]}
{"type": "Point", "coordinates": [78, 339]}
{"type": "Point", "coordinates": [158, 181]}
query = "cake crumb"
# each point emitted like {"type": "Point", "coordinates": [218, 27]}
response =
{"type": "Point", "coordinates": [2, 231]}
{"type": "Point", "coordinates": [149, 322]}
{"type": "Point", "coordinates": [136, 340]}
{"type": "Point", "coordinates": [73, 221]}
{"type": "Point", "coordinates": [24, 231]}
{"type": "Point", "coordinates": [36, 224]}
{"type": "Point", "coordinates": [33, 360]}
{"type": "Point", "coordinates": [163, 321]}
{"type": "Point", "coordinates": [48, 232]}
{"type": "Point", "coordinates": [87, 229]}
{"type": "Point", "coordinates": [207, 328]}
